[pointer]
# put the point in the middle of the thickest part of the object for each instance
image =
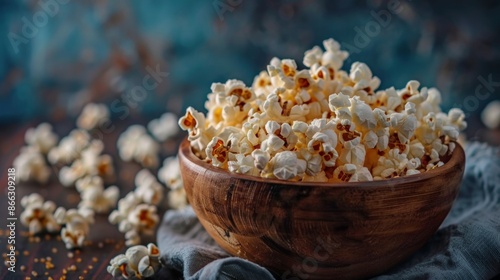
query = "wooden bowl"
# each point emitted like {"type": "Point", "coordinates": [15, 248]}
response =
{"type": "Point", "coordinates": [320, 230]}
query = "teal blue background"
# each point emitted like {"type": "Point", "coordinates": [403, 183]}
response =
{"type": "Point", "coordinates": [99, 50]}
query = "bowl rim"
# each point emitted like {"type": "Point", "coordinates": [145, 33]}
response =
{"type": "Point", "coordinates": [457, 159]}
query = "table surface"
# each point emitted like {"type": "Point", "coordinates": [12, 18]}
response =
{"type": "Point", "coordinates": [104, 242]}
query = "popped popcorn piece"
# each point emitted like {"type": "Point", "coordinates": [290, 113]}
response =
{"type": "Point", "coordinates": [38, 214]}
{"type": "Point", "coordinates": [243, 164]}
{"type": "Point", "coordinates": [456, 118]}
{"type": "Point", "coordinates": [138, 262]}
{"type": "Point", "coordinates": [77, 225]}
{"type": "Point", "coordinates": [98, 199]}
{"type": "Point", "coordinates": [136, 144]}
{"type": "Point", "coordinates": [343, 173]}
{"type": "Point", "coordinates": [92, 116]}
{"type": "Point", "coordinates": [170, 173]}
{"type": "Point", "coordinates": [30, 166]}
{"type": "Point", "coordinates": [394, 164]}
{"type": "Point", "coordinates": [90, 163]}
{"type": "Point", "coordinates": [354, 152]}
{"type": "Point", "coordinates": [148, 189]}
{"type": "Point", "coordinates": [193, 122]}
{"type": "Point", "coordinates": [333, 58]}
{"type": "Point", "coordinates": [120, 215]}
{"type": "Point", "coordinates": [41, 137]}
{"type": "Point", "coordinates": [143, 220]}
{"type": "Point", "coordinates": [362, 174]}
{"type": "Point", "coordinates": [363, 79]}
{"type": "Point", "coordinates": [261, 158]}
{"type": "Point", "coordinates": [89, 182]}
{"type": "Point", "coordinates": [69, 148]}
{"type": "Point", "coordinates": [217, 152]}
{"type": "Point", "coordinates": [404, 125]}
{"type": "Point", "coordinates": [491, 115]}
{"type": "Point", "coordinates": [177, 198]}
{"type": "Point", "coordinates": [164, 127]}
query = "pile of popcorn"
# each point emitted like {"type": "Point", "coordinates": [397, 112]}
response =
{"type": "Point", "coordinates": [79, 162]}
{"type": "Point", "coordinates": [322, 123]}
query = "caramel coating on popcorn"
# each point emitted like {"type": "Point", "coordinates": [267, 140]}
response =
{"type": "Point", "coordinates": [322, 123]}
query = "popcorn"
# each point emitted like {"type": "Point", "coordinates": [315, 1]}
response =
{"type": "Point", "coordinates": [143, 220]}
{"type": "Point", "coordinates": [362, 77]}
{"type": "Point", "coordinates": [333, 58]}
{"type": "Point", "coordinates": [165, 127]}
{"type": "Point", "coordinates": [491, 115]}
{"type": "Point", "coordinates": [92, 116]}
{"type": "Point", "coordinates": [98, 199]}
{"type": "Point", "coordinates": [282, 72]}
{"type": "Point", "coordinates": [170, 173]}
{"type": "Point", "coordinates": [77, 225]}
{"type": "Point", "coordinates": [38, 214]}
{"type": "Point", "coordinates": [362, 114]}
{"type": "Point", "coordinates": [322, 124]}
{"type": "Point", "coordinates": [193, 122]}
{"type": "Point", "coordinates": [177, 198]}
{"type": "Point", "coordinates": [243, 164]}
{"type": "Point", "coordinates": [30, 166]}
{"type": "Point", "coordinates": [138, 262]}
{"type": "Point", "coordinates": [261, 158]}
{"type": "Point", "coordinates": [354, 152]}
{"type": "Point", "coordinates": [69, 147]}
{"type": "Point", "coordinates": [404, 125]}
{"type": "Point", "coordinates": [136, 144]}
{"type": "Point", "coordinates": [134, 217]}
{"type": "Point", "coordinates": [41, 137]}
{"type": "Point", "coordinates": [217, 152]}
{"type": "Point", "coordinates": [148, 189]}
{"type": "Point", "coordinates": [89, 182]}
{"type": "Point", "coordinates": [90, 163]}
{"type": "Point", "coordinates": [125, 205]}
{"type": "Point", "coordinates": [287, 166]}
{"type": "Point", "coordinates": [394, 164]}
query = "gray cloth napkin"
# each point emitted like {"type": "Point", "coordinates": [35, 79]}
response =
{"type": "Point", "coordinates": [467, 245]}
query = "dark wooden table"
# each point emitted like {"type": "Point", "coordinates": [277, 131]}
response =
{"type": "Point", "coordinates": [104, 242]}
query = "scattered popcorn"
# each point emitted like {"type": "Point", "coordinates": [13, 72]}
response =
{"type": "Point", "coordinates": [41, 137]}
{"type": "Point", "coordinates": [143, 219]}
{"type": "Point", "coordinates": [134, 219]}
{"type": "Point", "coordinates": [88, 183]}
{"type": "Point", "coordinates": [148, 189]}
{"type": "Point", "coordinates": [138, 262]}
{"type": "Point", "coordinates": [98, 199]}
{"type": "Point", "coordinates": [491, 115]}
{"type": "Point", "coordinates": [322, 123]}
{"type": "Point", "coordinates": [89, 163]}
{"type": "Point", "coordinates": [136, 144]}
{"type": "Point", "coordinates": [120, 215]}
{"type": "Point", "coordinates": [165, 127]}
{"type": "Point", "coordinates": [77, 225]}
{"type": "Point", "coordinates": [38, 214]}
{"type": "Point", "coordinates": [30, 166]}
{"type": "Point", "coordinates": [170, 174]}
{"type": "Point", "coordinates": [177, 198]}
{"type": "Point", "coordinates": [69, 147]}
{"type": "Point", "coordinates": [92, 116]}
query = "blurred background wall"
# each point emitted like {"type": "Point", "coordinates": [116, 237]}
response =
{"type": "Point", "coordinates": [57, 55]}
